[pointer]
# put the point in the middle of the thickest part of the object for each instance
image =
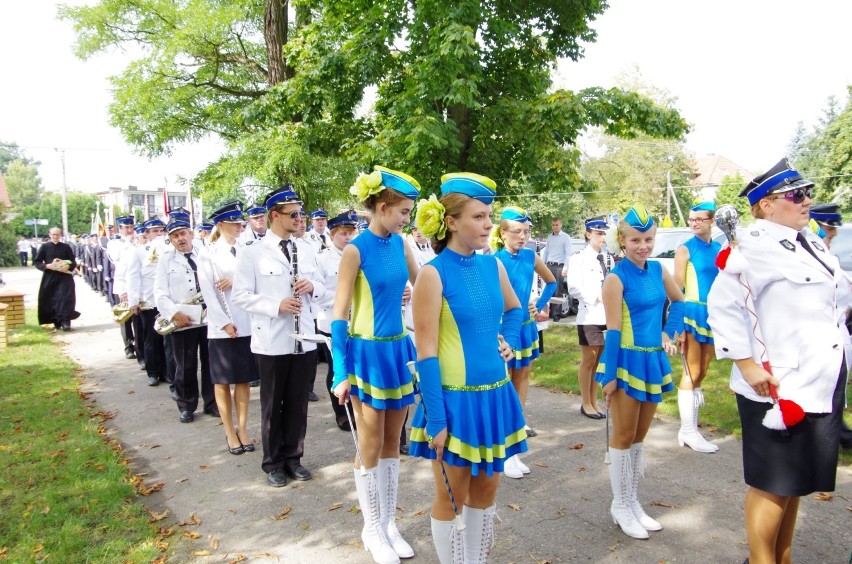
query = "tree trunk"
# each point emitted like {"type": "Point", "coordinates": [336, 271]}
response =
{"type": "Point", "coordinates": [275, 34]}
{"type": "Point", "coordinates": [461, 116]}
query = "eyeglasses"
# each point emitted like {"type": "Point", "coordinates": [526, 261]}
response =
{"type": "Point", "coordinates": [699, 219]}
{"type": "Point", "coordinates": [297, 214]}
{"type": "Point", "coordinates": [796, 196]}
{"type": "Point", "coordinates": [519, 232]}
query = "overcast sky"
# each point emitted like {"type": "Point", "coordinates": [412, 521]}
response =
{"type": "Point", "coordinates": [744, 72]}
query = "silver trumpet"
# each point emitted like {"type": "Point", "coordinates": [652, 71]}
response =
{"type": "Point", "coordinates": [164, 326]}
{"type": "Point", "coordinates": [727, 219]}
{"type": "Point", "coordinates": [294, 264]}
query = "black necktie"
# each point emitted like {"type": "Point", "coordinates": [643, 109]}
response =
{"type": "Point", "coordinates": [324, 242]}
{"type": "Point", "coordinates": [194, 268]}
{"type": "Point", "coordinates": [603, 263]}
{"type": "Point", "coordinates": [804, 243]}
{"type": "Point", "coordinates": [285, 248]}
{"type": "Point", "coordinates": [234, 251]}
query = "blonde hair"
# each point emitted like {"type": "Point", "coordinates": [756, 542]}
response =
{"type": "Point", "coordinates": [387, 196]}
{"type": "Point", "coordinates": [454, 204]}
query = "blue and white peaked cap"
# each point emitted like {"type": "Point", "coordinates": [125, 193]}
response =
{"type": "Point", "coordinates": [597, 224]}
{"type": "Point", "coordinates": [476, 186]}
{"type": "Point", "coordinates": [399, 181]}
{"type": "Point", "coordinates": [179, 213]}
{"type": "Point", "coordinates": [827, 214]}
{"type": "Point", "coordinates": [639, 219]}
{"type": "Point", "coordinates": [176, 225]}
{"type": "Point", "coordinates": [232, 212]}
{"type": "Point", "coordinates": [155, 222]}
{"type": "Point", "coordinates": [284, 195]}
{"type": "Point", "coordinates": [125, 220]}
{"type": "Point", "coordinates": [780, 178]}
{"type": "Point", "coordinates": [346, 219]}
{"type": "Point", "coordinates": [515, 214]}
{"type": "Point", "coordinates": [255, 210]}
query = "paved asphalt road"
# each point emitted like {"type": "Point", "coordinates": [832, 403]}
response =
{"type": "Point", "coordinates": [559, 513]}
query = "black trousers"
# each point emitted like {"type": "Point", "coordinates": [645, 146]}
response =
{"type": "Point", "coordinates": [155, 353]}
{"type": "Point", "coordinates": [561, 288]}
{"type": "Point", "coordinates": [170, 368]}
{"type": "Point", "coordinates": [339, 410]}
{"type": "Point", "coordinates": [138, 337]}
{"type": "Point", "coordinates": [284, 384]}
{"type": "Point", "coordinates": [126, 329]}
{"type": "Point", "coordinates": [188, 345]}
{"type": "Point", "coordinates": [24, 257]}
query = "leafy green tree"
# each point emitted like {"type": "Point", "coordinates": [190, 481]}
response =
{"type": "Point", "coordinates": [728, 193]}
{"type": "Point", "coordinates": [23, 184]}
{"type": "Point", "coordinates": [11, 152]}
{"type": "Point", "coordinates": [8, 240]}
{"type": "Point", "coordinates": [460, 85]}
{"type": "Point", "coordinates": [49, 207]}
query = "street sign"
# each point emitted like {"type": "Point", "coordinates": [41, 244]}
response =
{"type": "Point", "coordinates": [35, 222]}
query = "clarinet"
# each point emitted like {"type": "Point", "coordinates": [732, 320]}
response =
{"type": "Point", "coordinates": [294, 263]}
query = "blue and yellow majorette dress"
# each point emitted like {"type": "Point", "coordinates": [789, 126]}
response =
{"type": "Point", "coordinates": [644, 371]}
{"type": "Point", "coordinates": [379, 347]}
{"type": "Point", "coordinates": [485, 424]}
{"type": "Point", "coordinates": [701, 271]}
{"type": "Point", "coordinates": [521, 270]}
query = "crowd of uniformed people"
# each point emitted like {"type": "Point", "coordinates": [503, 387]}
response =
{"type": "Point", "coordinates": [255, 295]}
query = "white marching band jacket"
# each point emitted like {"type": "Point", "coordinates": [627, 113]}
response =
{"type": "Point", "coordinates": [328, 262]}
{"type": "Point", "coordinates": [174, 284]}
{"type": "Point", "coordinates": [796, 301]}
{"type": "Point", "coordinates": [262, 280]}
{"type": "Point", "coordinates": [119, 251]}
{"type": "Point", "coordinates": [226, 266]}
{"type": "Point", "coordinates": [141, 271]}
{"type": "Point", "coordinates": [584, 281]}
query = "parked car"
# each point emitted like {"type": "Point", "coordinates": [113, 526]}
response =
{"type": "Point", "coordinates": [841, 247]}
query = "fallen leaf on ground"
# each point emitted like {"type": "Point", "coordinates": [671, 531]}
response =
{"type": "Point", "coordinates": [62, 436]}
{"type": "Point", "coordinates": [514, 506]}
{"type": "Point", "coordinates": [239, 558]}
{"type": "Point", "coordinates": [214, 544]}
{"type": "Point", "coordinates": [335, 506]}
{"type": "Point", "coordinates": [193, 520]}
{"type": "Point", "coordinates": [541, 465]}
{"type": "Point", "coordinates": [160, 560]}
{"type": "Point", "coordinates": [201, 553]}
{"type": "Point", "coordinates": [191, 534]}
{"type": "Point", "coordinates": [356, 544]}
{"type": "Point", "coordinates": [38, 548]}
{"type": "Point", "coordinates": [151, 489]}
{"type": "Point", "coordinates": [664, 504]}
{"type": "Point", "coordinates": [161, 545]}
{"type": "Point", "coordinates": [581, 469]}
{"type": "Point", "coordinates": [4, 550]}
{"type": "Point", "coordinates": [283, 515]}
{"type": "Point", "coordinates": [419, 512]}
{"type": "Point", "coordinates": [578, 446]}
{"type": "Point", "coordinates": [264, 555]}
{"type": "Point", "coordinates": [165, 531]}
{"type": "Point", "coordinates": [181, 480]}
{"type": "Point", "coordinates": [157, 516]}
{"type": "Point", "coordinates": [204, 467]}
{"type": "Point", "coordinates": [613, 547]}
{"type": "Point", "coordinates": [824, 496]}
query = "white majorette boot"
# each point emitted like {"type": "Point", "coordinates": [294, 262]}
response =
{"type": "Point", "coordinates": [620, 478]}
{"type": "Point", "coordinates": [511, 468]}
{"type": "Point", "coordinates": [521, 466]}
{"type": "Point", "coordinates": [687, 403]}
{"type": "Point", "coordinates": [373, 536]}
{"type": "Point", "coordinates": [637, 463]}
{"type": "Point", "coordinates": [388, 487]}
{"type": "Point", "coordinates": [478, 533]}
{"type": "Point", "coordinates": [448, 541]}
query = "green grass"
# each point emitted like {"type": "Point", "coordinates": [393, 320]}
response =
{"type": "Point", "coordinates": [66, 493]}
{"type": "Point", "coordinates": [556, 369]}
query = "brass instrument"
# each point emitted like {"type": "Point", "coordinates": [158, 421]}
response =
{"type": "Point", "coordinates": [165, 326]}
{"type": "Point", "coordinates": [121, 311]}
{"type": "Point", "coordinates": [294, 263]}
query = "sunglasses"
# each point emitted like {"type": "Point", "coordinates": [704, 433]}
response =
{"type": "Point", "coordinates": [796, 196]}
{"type": "Point", "coordinates": [295, 214]}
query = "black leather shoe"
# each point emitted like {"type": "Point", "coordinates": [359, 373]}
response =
{"type": "Point", "coordinates": [276, 478]}
{"type": "Point", "coordinates": [254, 383]}
{"type": "Point", "coordinates": [173, 393]}
{"type": "Point", "coordinates": [403, 449]}
{"type": "Point", "coordinates": [234, 450]}
{"type": "Point", "coordinates": [129, 354]}
{"type": "Point", "coordinates": [592, 415]}
{"type": "Point", "coordinates": [153, 381]}
{"type": "Point", "coordinates": [344, 426]}
{"type": "Point", "coordinates": [312, 397]}
{"type": "Point", "coordinates": [141, 366]}
{"type": "Point", "coordinates": [298, 472]}
{"type": "Point", "coordinates": [186, 417]}
{"type": "Point", "coordinates": [248, 447]}
{"type": "Point", "coordinates": [214, 411]}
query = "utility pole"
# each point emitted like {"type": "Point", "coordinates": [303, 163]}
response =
{"type": "Point", "coordinates": [64, 195]}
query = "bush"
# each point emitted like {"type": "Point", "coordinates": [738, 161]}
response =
{"type": "Point", "coordinates": [8, 240]}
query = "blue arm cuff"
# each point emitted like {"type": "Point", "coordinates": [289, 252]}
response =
{"type": "Point", "coordinates": [429, 372]}
{"type": "Point", "coordinates": [339, 340]}
{"type": "Point", "coordinates": [674, 323]}
{"type": "Point", "coordinates": [546, 294]}
{"type": "Point", "coordinates": [609, 358]}
{"type": "Point", "coordinates": [511, 328]}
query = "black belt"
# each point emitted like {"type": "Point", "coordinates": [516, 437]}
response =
{"type": "Point", "coordinates": [556, 263]}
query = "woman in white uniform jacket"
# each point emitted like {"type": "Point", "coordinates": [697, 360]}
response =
{"type": "Point", "coordinates": [795, 296]}
{"type": "Point", "coordinates": [228, 332]}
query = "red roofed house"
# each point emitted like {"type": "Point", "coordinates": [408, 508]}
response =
{"type": "Point", "coordinates": [711, 169]}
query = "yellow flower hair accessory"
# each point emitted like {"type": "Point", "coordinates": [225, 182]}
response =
{"type": "Point", "coordinates": [430, 218]}
{"type": "Point", "coordinates": [495, 241]}
{"type": "Point", "coordinates": [367, 185]}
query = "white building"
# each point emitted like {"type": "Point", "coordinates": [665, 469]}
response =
{"type": "Point", "coordinates": [149, 203]}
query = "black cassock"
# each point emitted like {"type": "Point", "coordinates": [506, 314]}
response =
{"type": "Point", "coordinates": [57, 297]}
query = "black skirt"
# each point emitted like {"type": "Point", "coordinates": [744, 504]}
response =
{"type": "Point", "coordinates": [231, 361]}
{"type": "Point", "coordinates": [795, 462]}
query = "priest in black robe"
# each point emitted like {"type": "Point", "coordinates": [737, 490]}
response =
{"type": "Point", "coordinates": [57, 296]}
